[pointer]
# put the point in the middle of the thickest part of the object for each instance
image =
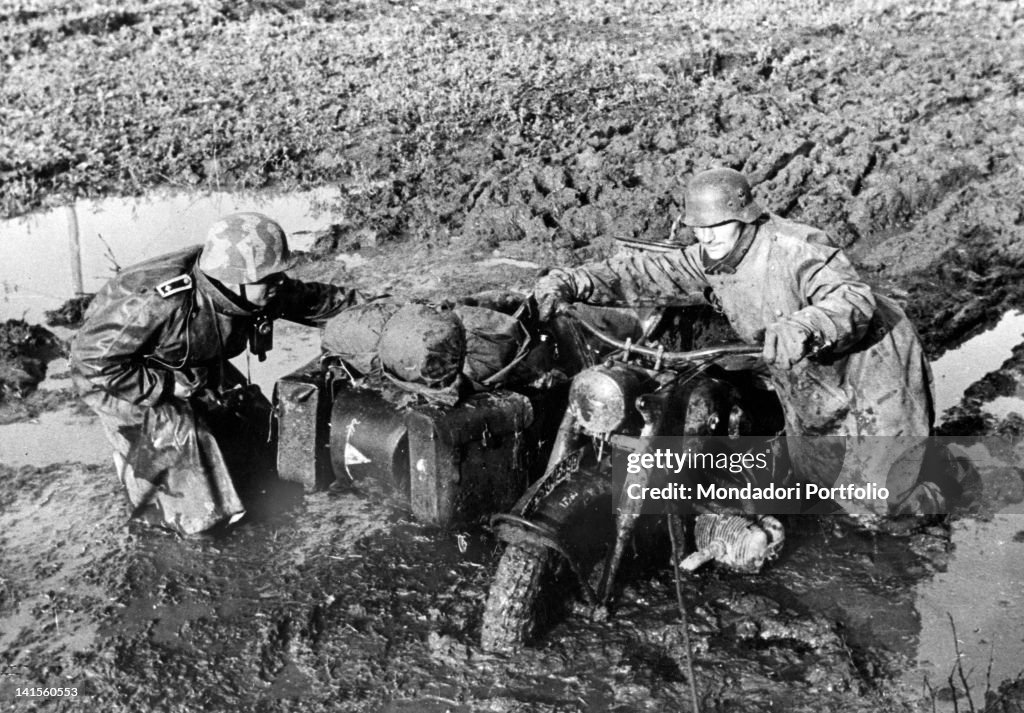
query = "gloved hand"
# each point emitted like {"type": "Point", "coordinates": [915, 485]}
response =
{"type": "Point", "coordinates": [549, 294]}
{"type": "Point", "coordinates": [786, 343]}
{"type": "Point", "coordinates": [547, 306]}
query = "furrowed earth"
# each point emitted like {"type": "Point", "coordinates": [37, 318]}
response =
{"type": "Point", "coordinates": [475, 142]}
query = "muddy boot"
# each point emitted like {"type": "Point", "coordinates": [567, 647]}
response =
{"type": "Point", "coordinates": [925, 498]}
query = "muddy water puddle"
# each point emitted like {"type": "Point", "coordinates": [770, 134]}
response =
{"type": "Point", "coordinates": [340, 597]}
{"type": "Point", "coordinates": [53, 437]}
{"type": "Point", "coordinates": [72, 434]}
{"type": "Point", "coordinates": [982, 594]}
{"type": "Point", "coordinates": [44, 251]}
{"type": "Point", "coordinates": [959, 368]}
{"type": "Point", "coordinates": [980, 589]}
{"type": "Point", "coordinates": [894, 599]}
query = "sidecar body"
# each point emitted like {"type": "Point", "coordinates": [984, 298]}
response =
{"type": "Point", "coordinates": [448, 465]}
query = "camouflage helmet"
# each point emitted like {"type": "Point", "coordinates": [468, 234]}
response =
{"type": "Point", "coordinates": [244, 248]}
{"type": "Point", "coordinates": [718, 196]}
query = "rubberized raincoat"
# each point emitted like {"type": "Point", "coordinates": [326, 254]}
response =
{"type": "Point", "coordinates": [162, 322]}
{"type": "Point", "coordinates": [870, 376]}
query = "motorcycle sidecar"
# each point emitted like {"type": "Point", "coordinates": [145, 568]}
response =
{"type": "Point", "coordinates": [448, 465]}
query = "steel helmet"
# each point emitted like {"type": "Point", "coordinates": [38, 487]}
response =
{"type": "Point", "coordinates": [718, 196]}
{"type": "Point", "coordinates": [244, 248]}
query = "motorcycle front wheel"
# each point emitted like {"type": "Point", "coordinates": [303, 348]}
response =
{"type": "Point", "coordinates": [511, 615]}
{"type": "Point", "coordinates": [534, 586]}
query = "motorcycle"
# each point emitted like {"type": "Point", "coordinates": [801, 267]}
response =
{"type": "Point", "coordinates": [571, 529]}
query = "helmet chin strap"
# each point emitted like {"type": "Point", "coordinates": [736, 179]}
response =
{"type": "Point", "coordinates": [243, 298]}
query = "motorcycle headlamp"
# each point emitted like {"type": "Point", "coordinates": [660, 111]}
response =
{"type": "Point", "coordinates": [601, 398]}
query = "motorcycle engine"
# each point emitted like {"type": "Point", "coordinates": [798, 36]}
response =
{"type": "Point", "coordinates": [602, 398]}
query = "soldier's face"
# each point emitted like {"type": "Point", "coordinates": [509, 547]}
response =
{"type": "Point", "coordinates": [259, 293]}
{"type": "Point", "coordinates": [719, 240]}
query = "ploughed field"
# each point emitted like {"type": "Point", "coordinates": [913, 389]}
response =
{"type": "Point", "coordinates": [515, 132]}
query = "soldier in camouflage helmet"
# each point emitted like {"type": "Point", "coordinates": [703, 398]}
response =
{"type": "Point", "coordinates": [244, 248]}
{"type": "Point", "coordinates": [844, 360]}
{"type": "Point", "coordinates": [151, 359]}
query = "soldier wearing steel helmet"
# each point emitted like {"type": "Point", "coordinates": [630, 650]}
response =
{"type": "Point", "coordinates": [844, 360]}
{"type": "Point", "coordinates": [151, 359]}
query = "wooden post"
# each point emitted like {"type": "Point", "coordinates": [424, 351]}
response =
{"type": "Point", "coordinates": [76, 250]}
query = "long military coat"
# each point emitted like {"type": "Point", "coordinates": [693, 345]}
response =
{"type": "Point", "coordinates": [162, 322]}
{"type": "Point", "coordinates": [870, 377]}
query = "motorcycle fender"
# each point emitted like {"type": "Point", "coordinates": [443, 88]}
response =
{"type": "Point", "coordinates": [576, 514]}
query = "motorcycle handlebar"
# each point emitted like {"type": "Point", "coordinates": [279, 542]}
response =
{"type": "Point", "coordinates": [662, 355]}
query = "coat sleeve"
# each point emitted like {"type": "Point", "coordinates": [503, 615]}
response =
{"type": "Point", "coordinates": [313, 302]}
{"type": "Point", "coordinates": [840, 305]}
{"type": "Point", "coordinates": [108, 350]}
{"type": "Point", "coordinates": [669, 278]}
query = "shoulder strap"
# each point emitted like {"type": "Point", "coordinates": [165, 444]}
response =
{"type": "Point", "coordinates": [174, 285]}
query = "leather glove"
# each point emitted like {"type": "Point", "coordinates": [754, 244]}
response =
{"type": "Point", "coordinates": [786, 343]}
{"type": "Point", "coordinates": [549, 294]}
{"type": "Point", "coordinates": [547, 306]}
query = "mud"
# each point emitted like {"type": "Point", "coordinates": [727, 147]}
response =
{"type": "Point", "coordinates": [500, 140]}
{"type": "Point", "coordinates": [324, 604]}
{"type": "Point", "coordinates": [340, 601]}
{"type": "Point", "coordinates": [25, 351]}
{"type": "Point", "coordinates": [877, 123]}
{"type": "Point", "coordinates": [70, 314]}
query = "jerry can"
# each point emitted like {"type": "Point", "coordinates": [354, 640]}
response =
{"type": "Point", "coordinates": [301, 414]}
{"type": "Point", "coordinates": [470, 460]}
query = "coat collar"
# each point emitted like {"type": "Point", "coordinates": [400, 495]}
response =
{"type": "Point", "coordinates": [223, 301]}
{"type": "Point", "coordinates": [728, 264]}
